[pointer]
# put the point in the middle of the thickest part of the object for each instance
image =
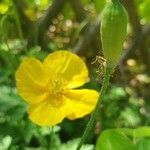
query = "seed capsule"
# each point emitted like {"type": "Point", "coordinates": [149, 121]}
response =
{"type": "Point", "coordinates": [113, 30]}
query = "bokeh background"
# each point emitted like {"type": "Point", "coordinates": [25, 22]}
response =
{"type": "Point", "coordinates": [39, 27]}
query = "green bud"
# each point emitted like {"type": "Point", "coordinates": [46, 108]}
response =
{"type": "Point", "coordinates": [113, 30]}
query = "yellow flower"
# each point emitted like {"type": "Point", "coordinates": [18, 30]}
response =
{"type": "Point", "coordinates": [48, 88]}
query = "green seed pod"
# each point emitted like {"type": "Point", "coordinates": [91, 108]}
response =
{"type": "Point", "coordinates": [113, 30]}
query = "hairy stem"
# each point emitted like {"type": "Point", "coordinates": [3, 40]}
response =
{"type": "Point", "coordinates": [91, 123]}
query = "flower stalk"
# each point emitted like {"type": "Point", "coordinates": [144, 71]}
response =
{"type": "Point", "coordinates": [91, 123]}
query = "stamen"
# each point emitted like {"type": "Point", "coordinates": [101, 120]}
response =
{"type": "Point", "coordinates": [55, 89]}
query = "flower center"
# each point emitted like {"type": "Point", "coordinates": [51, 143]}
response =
{"type": "Point", "coordinates": [56, 88]}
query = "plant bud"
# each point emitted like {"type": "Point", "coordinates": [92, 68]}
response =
{"type": "Point", "coordinates": [113, 30]}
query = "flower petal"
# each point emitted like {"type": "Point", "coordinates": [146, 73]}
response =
{"type": "Point", "coordinates": [45, 114]}
{"type": "Point", "coordinates": [69, 65]}
{"type": "Point", "coordinates": [83, 102]}
{"type": "Point", "coordinates": [31, 79]}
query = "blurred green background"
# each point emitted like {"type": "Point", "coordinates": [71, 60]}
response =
{"type": "Point", "coordinates": [39, 27]}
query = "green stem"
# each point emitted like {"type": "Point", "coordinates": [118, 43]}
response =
{"type": "Point", "coordinates": [51, 146]}
{"type": "Point", "coordinates": [91, 123]}
{"type": "Point", "coordinates": [18, 23]}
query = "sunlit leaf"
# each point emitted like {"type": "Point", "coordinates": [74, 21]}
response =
{"type": "Point", "coordinates": [5, 143]}
{"type": "Point", "coordinates": [113, 140]}
{"type": "Point", "coordinates": [142, 132]}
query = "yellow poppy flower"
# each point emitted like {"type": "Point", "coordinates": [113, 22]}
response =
{"type": "Point", "coordinates": [49, 88]}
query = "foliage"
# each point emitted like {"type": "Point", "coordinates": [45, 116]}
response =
{"type": "Point", "coordinates": [125, 138]}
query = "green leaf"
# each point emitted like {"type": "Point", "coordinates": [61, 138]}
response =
{"type": "Point", "coordinates": [143, 144]}
{"type": "Point", "coordinates": [113, 140]}
{"type": "Point", "coordinates": [5, 143]}
{"type": "Point", "coordinates": [126, 131]}
{"type": "Point", "coordinates": [10, 100]}
{"type": "Point", "coordinates": [72, 144]}
{"type": "Point", "coordinates": [142, 132]}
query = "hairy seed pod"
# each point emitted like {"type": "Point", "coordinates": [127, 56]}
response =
{"type": "Point", "coordinates": [113, 30]}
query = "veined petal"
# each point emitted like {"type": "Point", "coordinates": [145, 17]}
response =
{"type": "Point", "coordinates": [83, 102]}
{"type": "Point", "coordinates": [31, 79]}
{"type": "Point", "coordinates": [45, 114]}
{"type": "Point", "coordinates": [69, 65]}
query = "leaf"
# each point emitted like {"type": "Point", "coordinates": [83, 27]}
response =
{"type": "Point", "coordinates": [9, 100]}
{"type": "Point", "coordinates": [142, 132]}
{"type": "Point", "coordinates": [143, 144]}
{"type": "Point", "coordinates": [126, 131]}
{"type": "Point", "coordinates": [5, 143]}
{"type": "Point", "coordinates": [130, 117]}
{"type": "Point", "coordinates": [72, 144]}
{"type": "Point", "coordinates": [113, 140]}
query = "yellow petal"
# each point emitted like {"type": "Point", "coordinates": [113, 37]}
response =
{"type": "Point", "coordinates": [83, 102]}
{"type": "Point", "coordinates": [31, 79]}
{"type": "Point", "coordinates": [44, 114]}
{"type": "Point", "coordinates": [69, 65]}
